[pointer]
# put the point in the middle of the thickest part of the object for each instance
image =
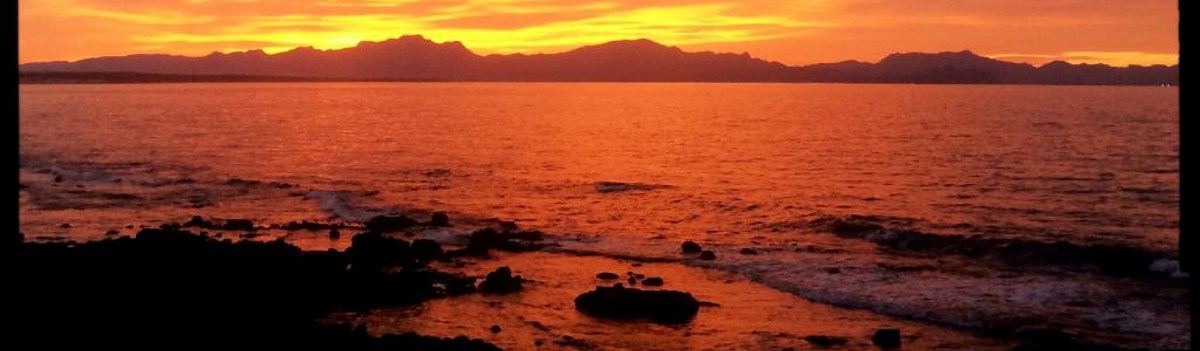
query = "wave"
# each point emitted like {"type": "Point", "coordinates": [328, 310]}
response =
{"type": "Point", "coordinates": [1111, 259]}
{"type": "Point", "coordinates": [337, 204]}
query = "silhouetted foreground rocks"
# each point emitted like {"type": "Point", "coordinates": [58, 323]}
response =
{"type": "Point", "coordinates": [618, 302]}
{"type": "Point", "coordinates": [167, 288]}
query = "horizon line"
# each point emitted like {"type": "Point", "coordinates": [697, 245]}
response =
{"type": "Point", "coordinates": [997, 57]}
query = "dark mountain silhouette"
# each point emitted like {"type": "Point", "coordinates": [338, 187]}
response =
{"type": "Point", "coordinates": [414, 58]}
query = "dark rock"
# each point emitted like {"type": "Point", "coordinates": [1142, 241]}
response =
{"type": "Point", "coordinates": [632, 281]}
{"type": "Point", "coordinates": [833, 270]}
{"type": "Point", "coordinates": [335, 234]}
{"type": "Point", "coordinates": [886, 338]}
{"type": "Point", "coordinates": [313, 226]}
{"type": "Point", "coordinates": [639, 276]}
{"type": "Point", "coordinates": [690, 247]}
{"type": "Point", "coordinates": [653, 281]}
{"type": "Point", "coordinates": [129, 226]}
{"type": "Point", "coordinates": [197, 221]}
{"type": "Point", "coordinates": [112, 232]}
{"type": "Point", "coordinates": [495, 328]}
{"type": "Point", "coordinates": [439, 219]}
{"type": "Point", "coordinates": [824, 340]}
{"type": "Point", "coordinates": [238, 224]}
{"type": "Point", "coordinates": [612, 187]}
{"type": "Point", "coordinates": [485, 239]}
{"type": "Point", "coordinates": [198, 273]}
{"type": "Point", "coordinates": [426, 249]}
{"type": "Point", "coordinates": [372, 250]}
{"type": "Point", "coordinates": [748, 251]}
{"type": "Point", "coordinates": [662, 306]}
{"type": "Point", "coordinates": [58, 179]}
{"type": "Point", "coordinates": [708, 255]}
{"type": "Point", "coordinates": [64, 225]}
{"type": "Point", "coordinates": [385, 224]}
{"type": "Point", "coordinates": [501, 281]}
{"type": "Point", "coordinates": [607, 276]}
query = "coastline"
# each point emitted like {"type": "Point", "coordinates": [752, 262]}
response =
{"type": "Point", "coordinates": [388, 284]}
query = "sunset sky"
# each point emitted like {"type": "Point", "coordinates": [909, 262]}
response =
{"type": "Point", "coordinates": [1117, 32]}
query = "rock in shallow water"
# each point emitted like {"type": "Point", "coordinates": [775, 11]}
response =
{"type": "Point", "coordinates": [607, 276]}
{"type": "Point", "coordinates": [708, 255]}
{"type": "Point", "coordinates": [887, 338]}
{"type": "Point", "coordinates": [501, 281]}
{"type": "Point", "coordinates": [824, 340]}
{"type": "Point", "coordinates": [690, 247]}
{"type": "Point", "coordinates": [653, 281]}
{"type": "Point", "coordinates": [439, 219]}
{"type": "Point", "coordinates": [661, 306]}
{"type": "Point", "coordinates": [384, 224]}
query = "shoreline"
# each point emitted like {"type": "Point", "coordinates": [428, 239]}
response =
{"type": "Point", "coordinates": [445, 262]}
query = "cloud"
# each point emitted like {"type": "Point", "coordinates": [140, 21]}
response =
{"type": "Point", "coordinates": [801, 31]}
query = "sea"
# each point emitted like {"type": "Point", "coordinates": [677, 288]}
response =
{"type": "Point", "coordinates": [974, 207]}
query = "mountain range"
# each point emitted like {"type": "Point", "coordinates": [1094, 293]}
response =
{"type": "Point", "coordinates": [414, 58]}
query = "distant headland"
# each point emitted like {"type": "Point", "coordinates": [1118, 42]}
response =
{"type": "Point", "coordinates": [414, 58]}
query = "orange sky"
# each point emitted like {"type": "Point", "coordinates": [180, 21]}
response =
{"type": "Point", "coordinates": [1117, 32]}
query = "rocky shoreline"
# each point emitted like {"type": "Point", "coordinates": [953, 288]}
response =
{"type": "Point", "coordinates": [172, 286]}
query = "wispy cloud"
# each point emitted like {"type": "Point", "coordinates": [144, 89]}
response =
{"type": "Point", "coordinates": [801, 31]}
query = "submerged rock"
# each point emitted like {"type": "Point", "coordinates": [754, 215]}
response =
{"type": "Point", "coordinates": [748, 251]}
{"type": "Point", "coordinates": [439, 219]}
{"type": "Point", "coordinates": [887, 338]}
{"type": "Point", "coordinates": [607, 276]}
{"type": "Point", "coordinates": [384, 224]}
{"type": "Point", "coordinates": [112, 232]}
{"type": "Point", "coordinates": [238, 224]}
{"type": "Point", "coordinates": [653, 281]}
{"type": "Point", "coordinates": [690, 247]}
{"type": "Point", "coordinates": [495, 328]}
{"type": "Point", "coordinates": [661, 306]}
{"type": "Point", "coordinates": [824, 340]}
{"type": "Point", "coordinates": [612, 187]}
{"type": "Point", "coordinates": [426, 249]}
{"type": "Point", "coordinates": [501, 281]}
{"type": "Point", "coordinates": [335, 234]}
{"type": "Point", "coordinates": [196, 221]}
{"type": "Point", "coordinates": [708, 255]}
{"type": "Point", "coordinates": [485, 239]}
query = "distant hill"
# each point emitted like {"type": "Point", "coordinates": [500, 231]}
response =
{"type": "Point", "coordinates": [414, 58]}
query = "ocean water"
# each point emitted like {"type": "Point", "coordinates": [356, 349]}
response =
{"type": "Point", "coordinates": [965, 206]}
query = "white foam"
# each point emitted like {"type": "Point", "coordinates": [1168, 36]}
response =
{"type": "Point", "coordinates": [337, 204]}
